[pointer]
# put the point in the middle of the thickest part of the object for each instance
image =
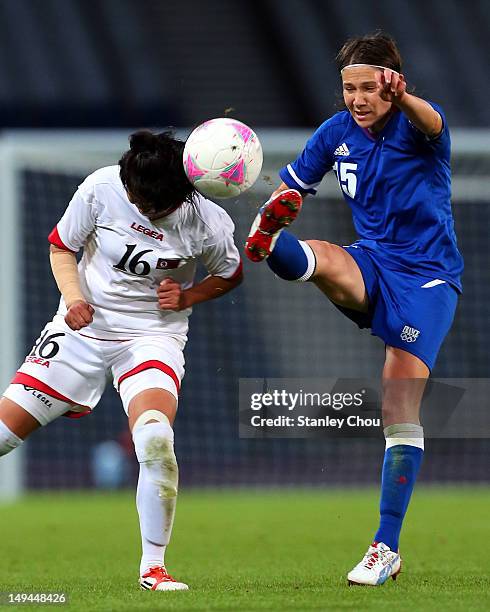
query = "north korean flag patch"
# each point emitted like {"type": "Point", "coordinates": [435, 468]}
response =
{"type": "Point", "coordinates": [168, 264]}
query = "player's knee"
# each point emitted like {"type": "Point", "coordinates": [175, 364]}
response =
{"type": "Point", "coordinates": [154, 446]}
{"type": "Point", "coordinates": [329, 266]}
{"type": "Point", "coordinates": [8, 440]}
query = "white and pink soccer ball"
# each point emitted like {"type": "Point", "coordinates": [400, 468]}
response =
{"type": "Point", "coordinates": [222, 158]}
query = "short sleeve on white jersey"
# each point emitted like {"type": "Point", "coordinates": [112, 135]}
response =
{"type": "Point", "coordinates": [79, 219]}
{"type": "Point", "coordinates": [220, 256]}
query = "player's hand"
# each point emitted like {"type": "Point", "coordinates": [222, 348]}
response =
{"type": "Point", "coordinates": [79, 315]}
{"type": "Point", "coordinates": [170, 295]}
{"type": "Point", "coordinates": [392, 86]}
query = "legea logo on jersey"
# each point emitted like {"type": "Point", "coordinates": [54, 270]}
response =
{"type": "Point", "coordinates": [38, 395]}
{"type": "Point", "coordinates": [147, 231]}
{"type": "Point", "coordinates": [409, 334]}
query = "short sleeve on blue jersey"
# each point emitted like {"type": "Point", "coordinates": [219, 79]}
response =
{"type": "Point", "coordinates": [316, 159]}
{"type": "Point", "coordinates": [441, 143]}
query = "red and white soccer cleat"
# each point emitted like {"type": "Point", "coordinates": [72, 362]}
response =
{"type": "Point", "coordinates": [158, 579]}
{"type": "Point", "coordinates": [273, 217]}
{"type": "Point", "coordinates": [378, 564]}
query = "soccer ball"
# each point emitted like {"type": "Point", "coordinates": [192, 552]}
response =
{"type": "Point", "coordinates": [222, 158]}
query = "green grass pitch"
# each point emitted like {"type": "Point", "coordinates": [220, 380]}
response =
{"type": "Point", "coordinates": [249, 550]}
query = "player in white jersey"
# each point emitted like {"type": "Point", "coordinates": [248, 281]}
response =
{"type": "Point", "coordinates": [124, 314]}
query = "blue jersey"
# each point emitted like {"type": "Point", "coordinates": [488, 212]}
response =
{"type": "Point", "coordinates": [398, 185]}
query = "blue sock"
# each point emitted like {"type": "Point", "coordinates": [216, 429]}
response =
{"type": "Point", "coordinates": [400, 468]}
{"type": "Point", "coordinates": [291, 259]}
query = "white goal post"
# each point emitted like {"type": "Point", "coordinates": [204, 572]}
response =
{"type": "Point", "coordinates": [80, 152]}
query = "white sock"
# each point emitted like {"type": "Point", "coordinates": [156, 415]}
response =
{"type": "Point", "coordinates": [156, 495]}
{"type": "Point", "coordinates": [310, 256]}
{"type": "Point", "coordinates": [153, 556]}
{"type": "Point", "coordinates": [8, 440]}
{"type": "Point", "coordinates": [404, 433]}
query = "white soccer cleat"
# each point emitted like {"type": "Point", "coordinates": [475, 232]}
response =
{"type": "Point", "coordinates": [378, 564]}
{"type": "Point", "coordinates": [158, 579]}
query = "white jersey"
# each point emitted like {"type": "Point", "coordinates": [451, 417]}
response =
{"type": "Point", "coordinates": [126, 256]}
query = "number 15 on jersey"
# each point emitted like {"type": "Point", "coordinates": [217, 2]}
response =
{"type": "Point", "coordinates": [346, 176]}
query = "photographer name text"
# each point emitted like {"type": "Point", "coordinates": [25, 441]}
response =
{"type": "Point", "coordinates": [305, 421]}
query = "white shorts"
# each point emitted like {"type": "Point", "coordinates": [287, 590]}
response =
{"type": "Point", "coordinates": [74, 369]}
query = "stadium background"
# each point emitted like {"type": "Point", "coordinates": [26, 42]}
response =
{"type": "Point", "coordinates": [121, 64]}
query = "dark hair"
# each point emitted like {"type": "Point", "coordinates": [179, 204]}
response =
{"type": "Point", "coordinates": [152, 171]}
{"type": "Point", "coordinates": [377, 49]}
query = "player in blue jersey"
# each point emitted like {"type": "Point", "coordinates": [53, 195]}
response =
{"type": "Point", "coordinates": [390, 151]}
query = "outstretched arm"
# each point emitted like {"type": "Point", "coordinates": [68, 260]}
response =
{"type": "Point", "coordinates": [393, 88]}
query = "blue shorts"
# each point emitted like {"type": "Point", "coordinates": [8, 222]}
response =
{"type": "Point", "coordinates": [407, 311]}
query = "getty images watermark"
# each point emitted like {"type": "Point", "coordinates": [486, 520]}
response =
{"type": "Point", "coordinates": [347, 407]}
{"type": "Point", "coordinates": [299, 407]}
